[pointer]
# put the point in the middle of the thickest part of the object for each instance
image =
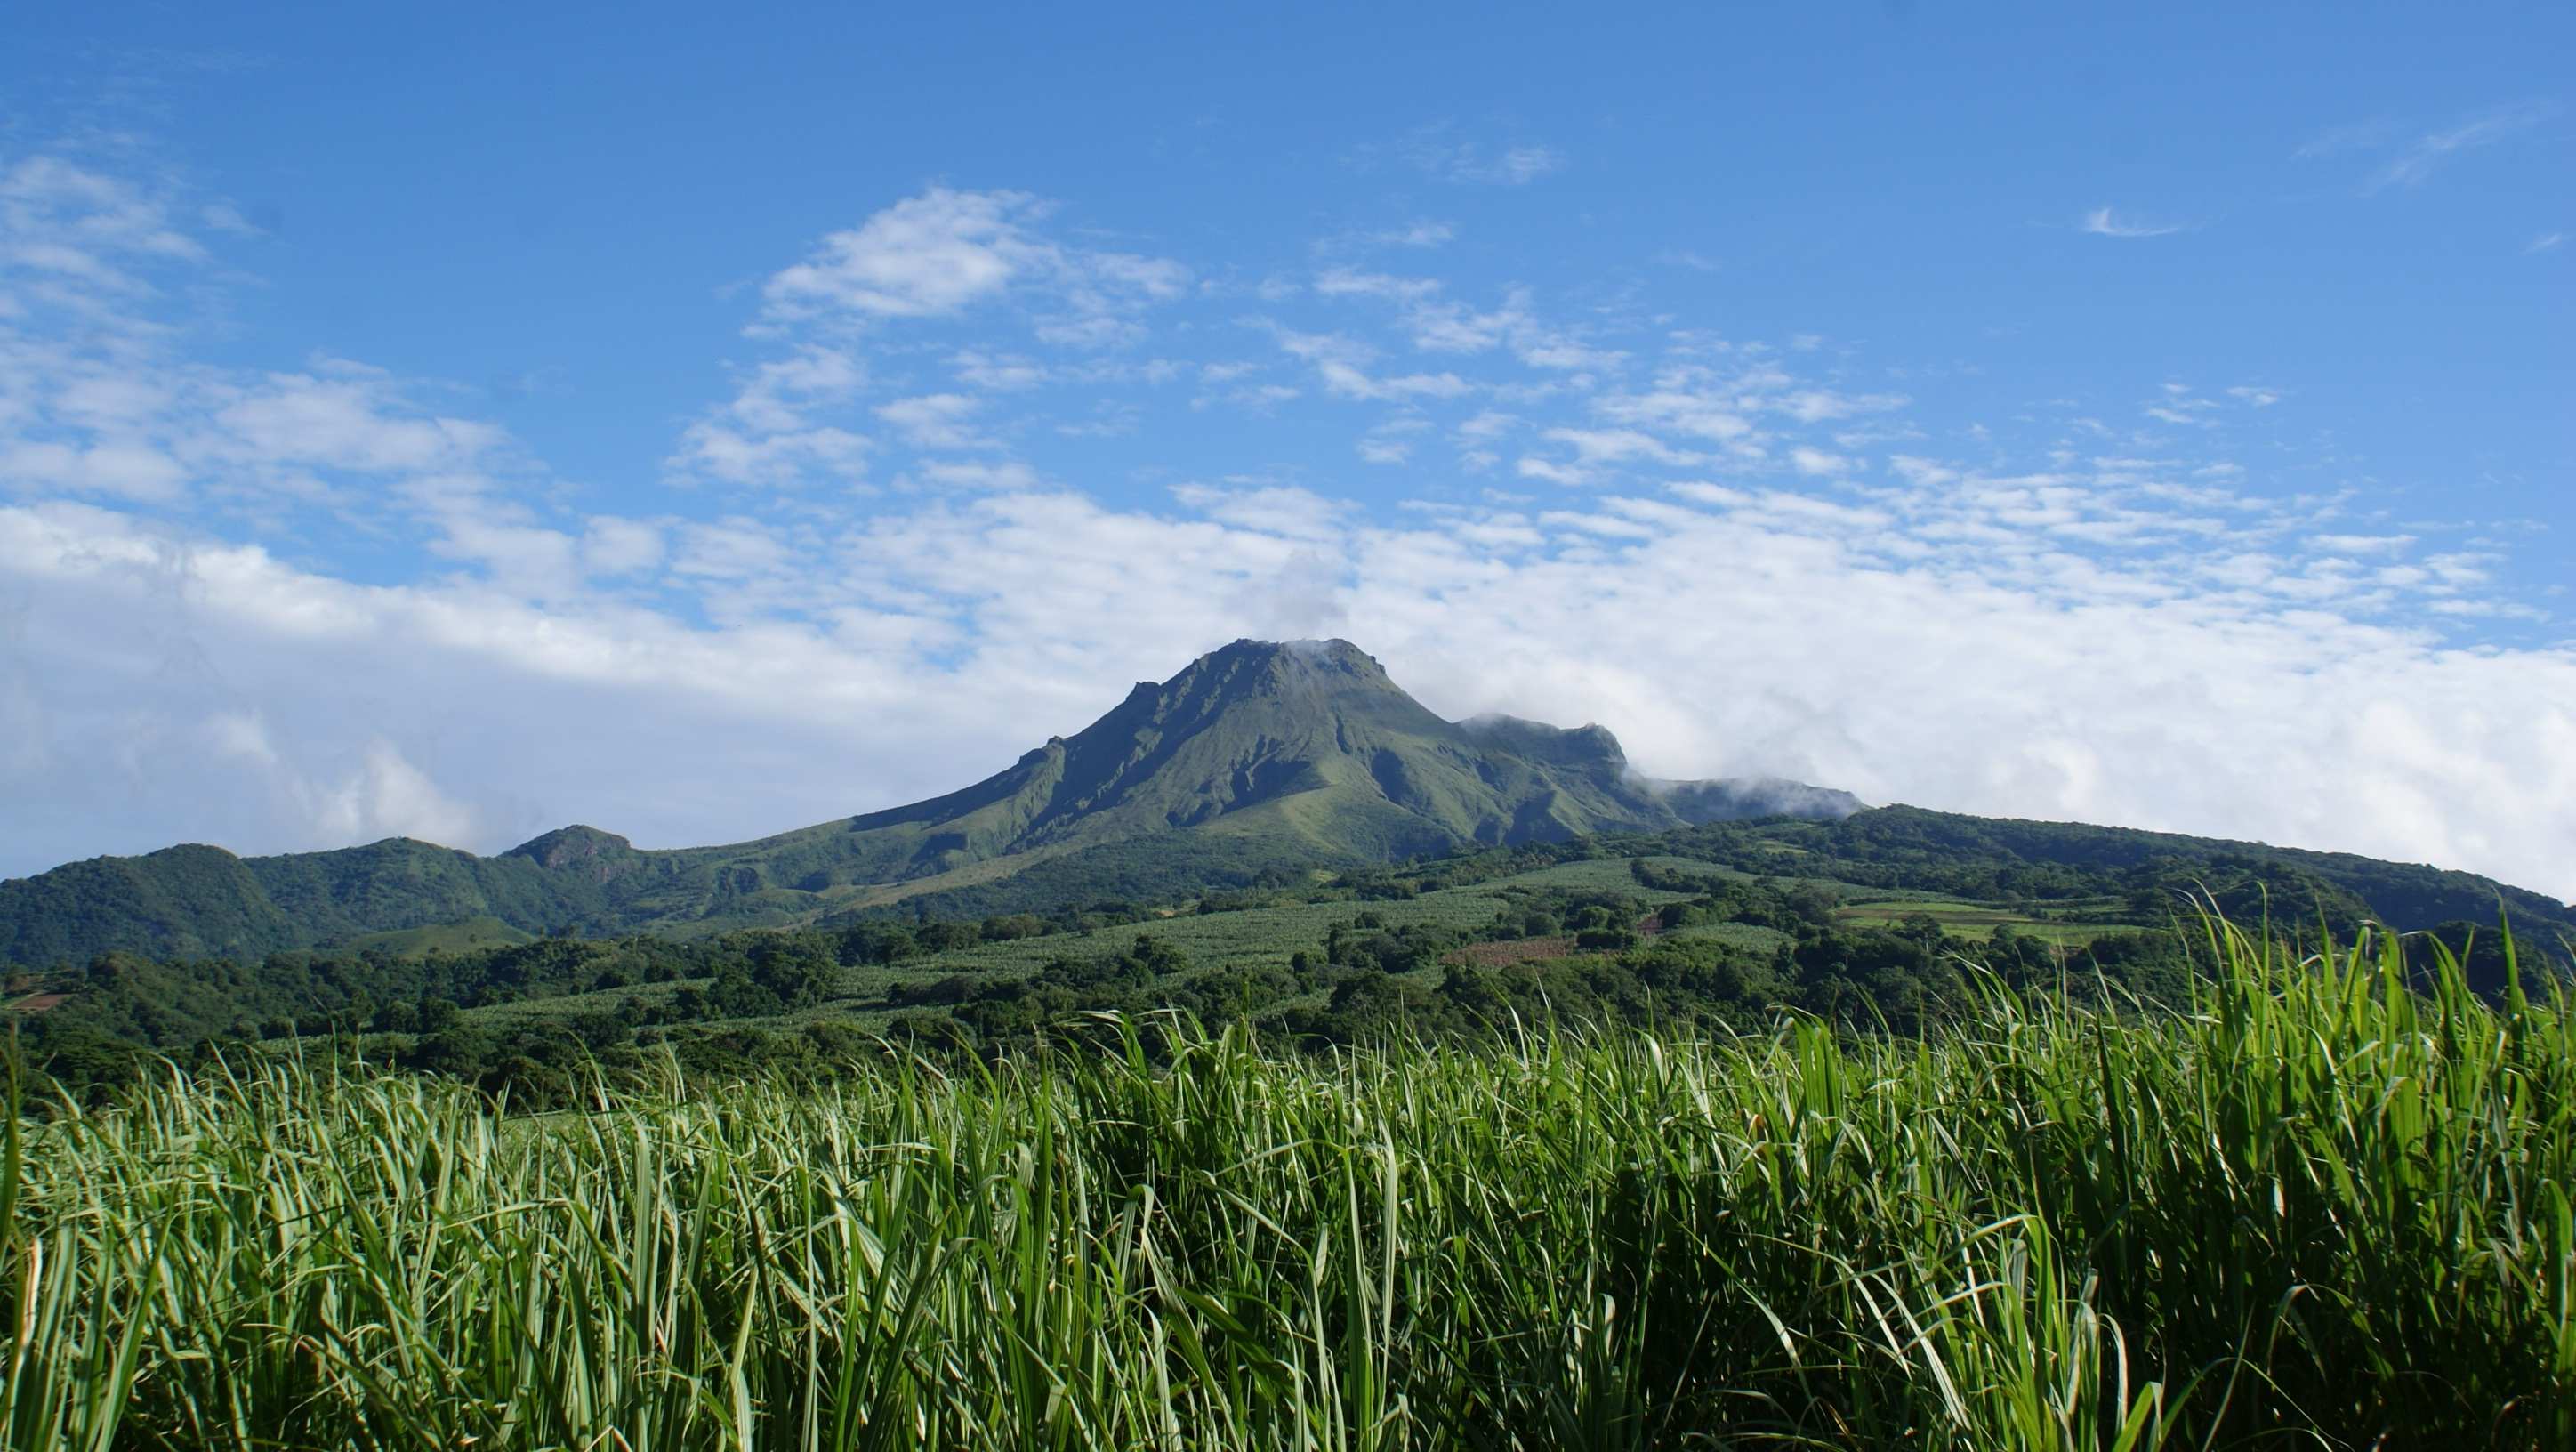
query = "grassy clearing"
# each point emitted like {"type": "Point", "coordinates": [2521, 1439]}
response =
{"type": "Point", "coordinates": [1740, 935]}
{"type": "Point", "coordinates": [2321, 1209]}
{"type": "Point", "coordinates": [462, 937]}
{"type": "Point", "coordinates": [1973, 919]}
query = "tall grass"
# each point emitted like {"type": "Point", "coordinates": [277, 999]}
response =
{"type": "Point", "coordinates": [2322, 1209]}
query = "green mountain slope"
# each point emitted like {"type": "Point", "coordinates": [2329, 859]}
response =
{"type": "Point", "coordinates": [1992, 857]}
{"type": "Point", "coordinates": [1259, 759]}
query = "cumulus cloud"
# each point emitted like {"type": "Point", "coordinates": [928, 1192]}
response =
{"type": "Point", "coordinates": [385, 796]}
{"type": "Point", "coordinates": [783, 392]}
{"type": "Point", "coordinates": [1816, 463]}
{"type": "Point", "coordinates": [344, 422]}
{"type": "Point", "coordinates": [935, 421]}
{"type": "Point", "coordinates": [1438, 323]}
{"type": "Point", "coordinates": [977, 474]}
{"type": "Point", "coordinates": [1822, 651]}
{"type": "Point", "coordinates": [925, 259]}
{"type": "Point", "coordinates": [136, 471]}
{"type": "Point", "coordinates": [729, 455]}
{"type": "Point", "coordinates": [1343, 366]}
{"type": "Point", "coordinates": [934, 253]}
{"type": "Point", "coordinates": [1597, 449]}
{"type": "Point", "coordinates": [72, 233]}
{"type": "Point", "coordinates": [2363, 544]}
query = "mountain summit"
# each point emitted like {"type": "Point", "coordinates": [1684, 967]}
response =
{"type": "Point", "coordinates": [1313, 741]}
{"type": "Point", "coordinates": [1257, 758]}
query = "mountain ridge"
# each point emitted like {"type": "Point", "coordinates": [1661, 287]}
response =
{"type": "Point", "coordinates": [1257, 762]}
{"type": "Point", "coordinates": [1256, 757]}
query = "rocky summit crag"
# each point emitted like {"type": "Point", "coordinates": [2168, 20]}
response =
{"type": "Point", "coordinates": [1259, 758]}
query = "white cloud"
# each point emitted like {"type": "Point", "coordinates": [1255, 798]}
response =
{"type": "Point", "coordinates": [78, 234]}
{"type": "Point", "coordinates": [731, 456]}
{"type": "Point", "coordinates": [928, 258]}
{"type": "Point", "coordinates": [2103, 222]}
{"type": "Point", "coordinates": [1816, 405]}
{"type": "Point", "coordinates": [1352, 282]}
{"type": "Point", "coordinates": [2417, 162]}
{"type": "Point", "coordinates": [1342, 364]}
{"type": "Point", "coordinates": [1821, 654]}
{"type": "Point", "coordinates": [1378, 449]}
{"type": "Point", "coordinates": [1516, 165]}
{"type": "Point", "coordinates": [975, 474]}
{"type": "Point", "coordinates": [1816, 463]}
{"type": "Point", "coordinates": [387, 796]}
{"type": "Point", "coordinates": [1532, 466]}
{"type": "Point", "coordinates": [935, 421]}
{"type": "Point", "coordinates": [381, 794]}
{"type": "Point", "coordinates": [930, 254]}
{"type": "Point", "coordinates": [1709, 414]}
{"type": "Point", "coordinates": [1571, 356]}
{"type": "Point", "coordinates": [1418, 234]}
{"type": "Point", "coordinates": [1919, 472]}
{"type": "Point", "coordinates": [781, 393]}
{"type": "Point", "coordinates": [1439, 324]}
{"type": "Point", "coordinates": [1437, 153]}
{"type": "Point", "coordinates": [946, 251]}
{"type": "Point", "coordinates": [2545, 242]}
{"type": "Point", "coordinates": [2362, 544]}
{"type": "Point", "coordinates": [134, 470]}
{"type": "Point", "coordinates": [1612, 446]}
{"type": "Point", "coordinates": [612, 546]}
{"type": "Point", "coordinates": [346, 422]}
{"type": "Point", "coordinates": [1270, 509]}
{"type": "Point", "coordinates": [997, 373]}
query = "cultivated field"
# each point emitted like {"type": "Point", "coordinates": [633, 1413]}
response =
{"type": "Point", "coordinates": [1242, 939]}
{"type": "Point", "coordinates": [1973, 919]}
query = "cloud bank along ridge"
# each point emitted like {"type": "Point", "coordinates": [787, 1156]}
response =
{"type": "Point", "coordinates": [865, 584]}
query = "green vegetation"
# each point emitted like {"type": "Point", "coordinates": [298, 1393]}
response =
{"type": "Point", "coordinates": [1251, 772]}
{"type": "Point", "coordinates": [460, 937]}
{"type": "Point", "coordinates": [2320, 1208]}
{"type": "Point", "coordinates": [1667, 932]}
{"type": "Point", "coordinates": [1171, 1089]}
{"type": "Point", "coordinates": [1451, 949]}
{"type": "Point", "coordinates": [1979, 919]}
{"type": "Point", "coordinates": [1995, 859]}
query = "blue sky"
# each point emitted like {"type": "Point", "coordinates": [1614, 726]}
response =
{"type": "Point", "coordinates": [458, 422]}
